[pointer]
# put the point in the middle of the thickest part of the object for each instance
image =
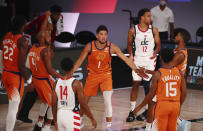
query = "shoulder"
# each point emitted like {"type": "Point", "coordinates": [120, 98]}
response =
{"type": "Point", "coordinates": [132, 30]}
{"type": "Point", "coordinates": [154, 9]}
{"type": "Point", "coordinates": [76, 83]}
{"type": "Point", "coordinates": [169, 10]}
{"type": "Point", "coordinates": [157, 74]}
{"type": "Point", "coordinates": [23, 42]}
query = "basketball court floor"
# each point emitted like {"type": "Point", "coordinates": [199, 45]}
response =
{"type": "Point", "coordinates": [192, 109]}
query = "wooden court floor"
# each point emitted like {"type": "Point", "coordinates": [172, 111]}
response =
{"type": "Point", "coordinates": [191, 109]}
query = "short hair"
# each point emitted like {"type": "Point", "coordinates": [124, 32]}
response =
{"type": "Point", "coordinates": [184, 33]}
{"type": "Point", "coordinates": [66, 64]}
{"type": "Point", "coordinates": [56, 8]}
{"type": "Point", "coordinates": [18, 22]}
{"type": "Point", "coordinates": [142, 12]}
{"type": "Point", "coordinates": [167, 55]}
{"type": "Point", "coordinates": [101, 28]}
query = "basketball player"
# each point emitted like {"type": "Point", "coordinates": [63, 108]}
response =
{"type": "Point", "coordinates": [64, 100]}
{"type": "Point", "coordinates": [40, 56]}
{"type": "Point", "coordinates": [180, 61]}
{"type": "Point", "coordinates": [146, 38]}
{"type": "Point", "coordinates": [99, 69]}
{"type": "Point", "coordinates": [15, 48]}
{"type": "Point", "coordinates": [168, 84]}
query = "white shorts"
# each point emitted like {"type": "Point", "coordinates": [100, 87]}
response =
{"type": "Point", "coordinates": [146, 63]}
{"type": "Point", "coordinates": [68, 120]}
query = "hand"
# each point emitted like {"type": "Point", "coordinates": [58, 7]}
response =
{"type": "Point", "coordinates": [154, 55]}
{"type": "Point", "coordinates": [30, 87]}
{"type": "Point", "coordinates": [141, 72]}
{"type": "Point", "coordinates": [94, 123]}
{"type": "Point", "coordinates": [47, 13]}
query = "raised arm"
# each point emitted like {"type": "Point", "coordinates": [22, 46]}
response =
{"type": "Point", "coordinates": [82, 57]}
{"type": "Point", "coordinates": [46, 57]}
{"type": "Point", "coordinates": [155, 78]}
{"type": "Point", "coordinates": [23, 47]}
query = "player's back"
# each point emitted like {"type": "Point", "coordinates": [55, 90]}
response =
{"type": "Point", "coordinates": [99, 60]}
{"type": "Point", "coordinates": [65, 94]}
{"type": "Point", "coordinates": [37, 65]}
{"type": "Point", "coordinates": [183, 65]}
{"type": "Point", "coordinates": [10, 52]}
{"type": "Point", "coordinates": [169, 84]}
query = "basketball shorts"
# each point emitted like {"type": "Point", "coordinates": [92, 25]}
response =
{"type": "Point", "coordinates": [68, 120]}
{"type": "Point", "coordinates": [94, 81]}
{"type": "Point", "coordinates": [44, 88]}
{"type": "Point", "coordinates": [146, 63]}
{"type": "Point", "coordinates": [165, 116]}
{"type": "Point", "coordinates": [14, 84]}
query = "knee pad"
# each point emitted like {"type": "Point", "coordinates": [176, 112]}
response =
{"type": "Point", "coordinates": [43, 109]}
{"type": "Point", "coordinates": [107, 103]}
{"type": "Point", "coordinates": [49, 113]}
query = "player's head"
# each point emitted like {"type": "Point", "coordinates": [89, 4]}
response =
{"type": "Point", "coordinates": [55, 12]}
{"type": "Point", "coordinates": [182, 35]}
{"type": "Point", "coordinates": [166, 55]}
{"type": "Point", "coordinates": [144, 15]}
{"type": "Point", "coordinates": [102, 34]}
{"type": "Point", "coordinates": [19, 24]}
{"type": "Point", "coordinates": [163, 2]}
{"type": "Point", "coordinates": [66, 64]}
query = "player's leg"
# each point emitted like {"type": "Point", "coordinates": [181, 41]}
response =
{"type": "Point", "coordinates": [61, 123]}
{"type": "Point", "coordinates": [106, 88]}
{"type": "Point", "coordinates": [160, 117]}
{"type": "Point", "coordinates": [13, 84]}
{"type": "Point", "coordinates": [172, 119]}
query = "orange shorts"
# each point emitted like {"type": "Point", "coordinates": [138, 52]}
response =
{"type": "Point", "coordinates": [166, 115]}
{"type": "Point", "coordinates": [44, 88]}
{"type": "Point", "coordinates": [94, 81]}
{"type": "Point", "coordinates": [14, 83]}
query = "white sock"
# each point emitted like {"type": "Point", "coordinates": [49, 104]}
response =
{"type": "Point", "coordinates": [40, 123]}
{"type": "Point", "coordinates": [148, 125]}
{"type": "Point", "coordinates": [179, 121]}
{"type": "Point", "coordinates": [108, 124]}
{"type": "Point", "coordinates": [132, 105]}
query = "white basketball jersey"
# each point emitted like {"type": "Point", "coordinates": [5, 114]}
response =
{"type": "Point", "coordinates": [65, 94]}
{"type": "Point", "coordinates": [144, 42]}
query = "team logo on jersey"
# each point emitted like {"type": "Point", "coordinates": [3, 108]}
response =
{"type": "Point", "coordinates": [145, 42]}
{"type": "Point", "coordinates": [101, 56]}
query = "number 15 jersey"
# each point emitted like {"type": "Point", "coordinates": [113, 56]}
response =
{"type": "Point", "coordinates": [169, 84]}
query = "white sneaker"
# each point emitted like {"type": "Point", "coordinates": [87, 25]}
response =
{"type": "Point", "coordinates": [148, 127]}
{"type": "Point", "coordinates": [185, 125]}
{"type": "Point", "coordinates": [46, 128]}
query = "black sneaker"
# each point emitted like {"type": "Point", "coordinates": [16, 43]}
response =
{"type": "Point", "coordinates": [142, 116]}
{"type": "Point", "coordinates": [37, 128]}
{"type": "Point", "coordinates": [25, 120]}
{"type": "Point", "coordinates": [131, 117]}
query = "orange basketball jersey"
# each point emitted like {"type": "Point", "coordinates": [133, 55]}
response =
{"type": "Point", "coordinates": [183, 65]}
{"type": "Point", "coordinates": [10, 52]}
{"type": "Point", "coordinates": [36, 63]}
{"type": "Point", "coordinates": [169, 84]}
{"type": "Point", "coordinates": [99, 60]}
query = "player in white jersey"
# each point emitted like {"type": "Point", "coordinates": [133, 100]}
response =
{"type": "Point", "coordinates": [64, 97]}
{"type": "Point", "coordinates": [147, 46]}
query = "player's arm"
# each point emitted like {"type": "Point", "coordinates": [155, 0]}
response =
{"type": "Point", "coordinates": [131, 33]}
{"type": "Point", "coordinates": [171, 31]}
{"type": "Point", "coordinates": [79, 91]}
{"type": "Point", "coordinates": [149, 97]}
{"type": "Point", "coordinates": [157, 42]}
{"type": "Point", "coordinates": [178, 59]}
{"type": "Point", "coordinates": [82, 57]}
{"type": "Point", "coordinates": [54, 103]}
{"type": "Point", "coordinates": [45, 21]}
{"type": "Point", "coordinates": [46, 57]}
{"type": "Point", "coordinates": [23, 47]}
{"type": "Point", "coordinates": [183, 89]}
